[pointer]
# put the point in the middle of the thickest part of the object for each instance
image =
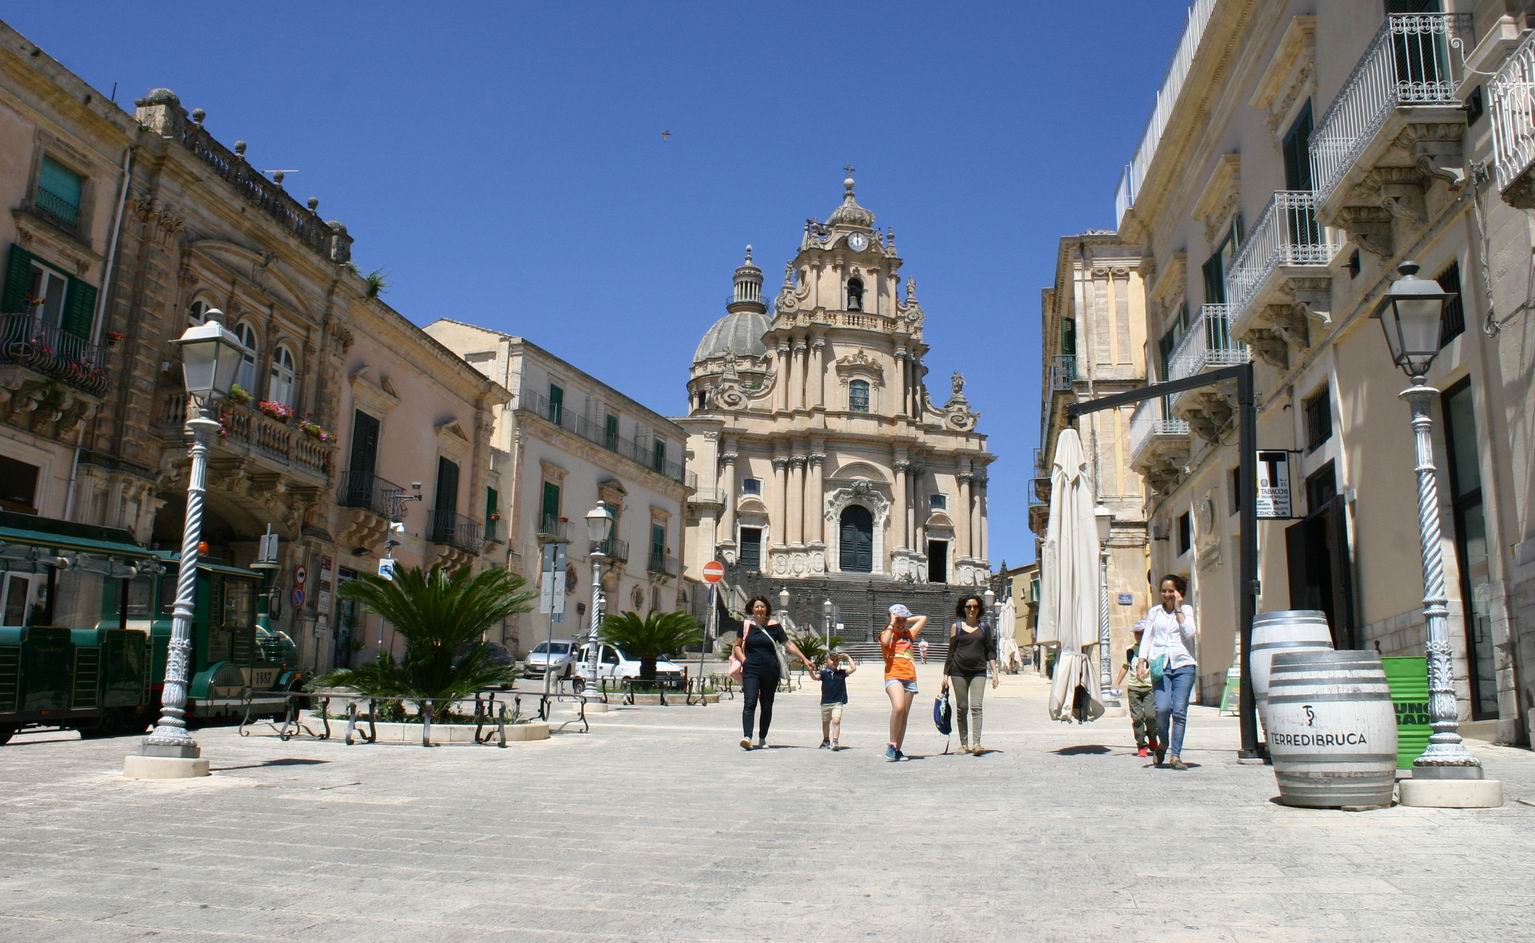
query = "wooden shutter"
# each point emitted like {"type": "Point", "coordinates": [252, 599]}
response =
{"type": "Point", "coordinates": [364, 443]}
{"type": "Point", "coordinates": [18, 277]}
{"type": "Point", "coordinates": [79, 309]}
{"type": "Point", "coordinates": [551, 508]}
{"type": "Point", "coordinates": [492, 503]}
{"type": "Point", "coordinates": [447, 487]}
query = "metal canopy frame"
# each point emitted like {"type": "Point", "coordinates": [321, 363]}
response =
{"type": "Point", "coordinates": [1247, 515]}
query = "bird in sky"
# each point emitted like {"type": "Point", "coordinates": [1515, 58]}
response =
{"type": "Point", "coordinates": [666, 135]}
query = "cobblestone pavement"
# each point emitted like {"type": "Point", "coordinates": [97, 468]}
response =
{"type": "Point", "coordinates": [657, 826]}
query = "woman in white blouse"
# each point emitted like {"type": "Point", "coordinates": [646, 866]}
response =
{"type": "Point", "coordinates": [1170, 636]}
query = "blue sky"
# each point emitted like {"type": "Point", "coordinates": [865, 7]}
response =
{"type": "Point", "coordinates": [503, 162]}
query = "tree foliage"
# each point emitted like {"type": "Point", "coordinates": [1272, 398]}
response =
{"type": "Point", "coordinates": [647, 638]}
{"type": "Point", "coordinates": [442, 616]}
{"type": "Point", "coordinates": [813, 644]}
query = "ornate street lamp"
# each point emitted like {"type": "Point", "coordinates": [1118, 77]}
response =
{"type": "Point", "coordinates": [1104, 519]}
{"type": "Point", "coordinates": [599, 528]}
{"type": "Point", "coordinates": [1445, 774]}
{"type": "Point", "coordinates": [210, 360]}
{"type": "Point", "coordinates": [783, 608]}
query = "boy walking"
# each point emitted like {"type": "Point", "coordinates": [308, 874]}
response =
{"type": "Point", "coordinates": [834, 674]}
{"type": "Point", "coordinates": [1143, 711]}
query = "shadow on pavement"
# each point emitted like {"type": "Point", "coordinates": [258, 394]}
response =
{"type": "Point", "coordinates": [1083, 750]}
{"type": "Point", "coordinates": [291, 761]}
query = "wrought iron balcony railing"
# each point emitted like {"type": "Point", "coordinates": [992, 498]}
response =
{"type": "Point", "coordinates": [612, 548]}
{"type": "Point", "coordinates": [1150, 420]}
{"type": "Point", "coordinates": [662, 563]}
{"type": "Point", "coordinates": [1407, 64]}
{"type": "Point", "coordinates": [455, 530]}
{"type": "Point", "coordinates": [53, 352]}
{"type": "Point", "coordinates": [553, 530]}
{"type": "Point", "coordinates": [57, 208]}
{"type": "Point", "coordinates": [1207, 344]}
{"type": "Point", "coordinates": [597, 433]}
{"type": "Point", "coordinates": [360, 488]}
{"type": "Point", "coordinates": [1511, 104]}
{"type": "Point", "coordinates": [1287, 233]}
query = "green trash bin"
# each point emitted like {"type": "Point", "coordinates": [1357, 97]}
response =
{"type": "Point", "coordinates": [1408, 680]}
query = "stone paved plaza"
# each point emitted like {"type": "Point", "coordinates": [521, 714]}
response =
{"type": "Point", "coordinates": [656, 826]}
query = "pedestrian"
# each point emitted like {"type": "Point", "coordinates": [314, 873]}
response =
{"type": "Point", "coordinates": [922, 649]}
{"type": "Point", "coordinates": [971, 659]}
{"type": "Point", "coordinates": [896, 641]}
{"type": "Point", "coordinates": [834, 697]}
{"type": "Point", "coordinates": [760, 649]}
{"type": "Point", "coordinates": [1135, 674]}
{"type": "Point", "coordinates": [1168, 646]}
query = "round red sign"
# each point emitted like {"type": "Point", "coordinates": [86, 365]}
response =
{"type": "Point", "coordinates": [714, 571]}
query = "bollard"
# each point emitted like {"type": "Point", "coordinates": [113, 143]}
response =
{"type": "Point", "coordinates": [351, 721]}
{"type": "Point", "coordinates": [501, 726]}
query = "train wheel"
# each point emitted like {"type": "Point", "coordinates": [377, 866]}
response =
{"type": "Point", "coordinates": [6, 732]}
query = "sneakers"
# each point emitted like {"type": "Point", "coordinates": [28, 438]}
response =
{"type": "Point", "coordinates": [891, 753]}
{"type": "Point", "coordinates": [899, 755]}
{"type": "Point", "coordinates": [835, 746]}
{"type": "Point", "coordinates": [1177, 763]}
{"type": "Point", "coordinates": [746, 743]}
{"type": "Point", "coordinates": [762, 743]}
{"type": "Point", "coordinates": [1154, 745]}
{"type": "Point", "coordinates": [1142, 752]}
{"type": "Point", "coordinates": [826, 744]}
{"type": "Point", "coordinates": [977, 750]}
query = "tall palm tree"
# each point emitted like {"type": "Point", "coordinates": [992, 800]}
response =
{"type": "Point", "coordinates": [442, 616]}
{"type": "Point", "coordinates": [649, 637]}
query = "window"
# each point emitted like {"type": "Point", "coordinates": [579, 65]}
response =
{"type": "Point", "coordinates": [246, 376]}
{"type": "Point", "coordinates": [658, 456]}
{"type": "Point", "coordinates": [556, 403]}
{"type": "Point", "coordinates": [858, 396]}
{"type": "Point", "coordinates": [58, 193]}
{"type": "Point", "coordinates": [1454, 323]}
{"type": "Point", "coordinates": [1475, 107]}
{"type": "Point", "coordinates": [1185, 534]}
{"type": "Point", "coordinates": [1318, 415]}
{"type": "Point", "coordinates": [52, 300]}
{"type": "Point", "coordinates": [198, 312]}
{"type": "Point", "coordinates": [751, 486]}
{"type": "Point", "coordinates": [280, 383]}
{"type": "Point", "coordinates": [938, 502]}
{"type": "Point", "coordinates": [45, 295]}
{"type": "Point", "coordinates": [18, 486]}
{"type": "Point", "coordinates": [549, 514]}
{"type": "Point", "coordinates": [492, 511]}
{"type": "Point", "coordinates": [751, 548]}
{"type": "Point", "coordinates": [855, 294]}
{"type": "Point", "coordinates": [658, 547]}
{"type": "Point", "coordinates": [1169, 340]}
{"type": "Point", "coordinates": [1321, 487]}
{"type": "Point", "coordinates": [610, 433]}
{"type": "Point", "coordinates": [1218, 265]}
{"type": "Point", "coordinates": [1297, 151]}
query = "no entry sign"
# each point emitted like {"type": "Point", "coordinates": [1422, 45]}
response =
{"type": "Point", "coordinates": [714, 571]}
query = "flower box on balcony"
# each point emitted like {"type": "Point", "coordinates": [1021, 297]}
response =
{"type": "Point", "coordinates": [282, 412]}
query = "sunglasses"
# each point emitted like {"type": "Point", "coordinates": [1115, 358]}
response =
{"type": "Point", "coordinates": [971, 605]}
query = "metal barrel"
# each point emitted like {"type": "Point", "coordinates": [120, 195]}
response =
{"type": "Point", "coordinates": [1284, 630]}
{"type": "Point", "coordinates": [1332, 730]}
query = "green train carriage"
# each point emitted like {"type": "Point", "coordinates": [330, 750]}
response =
{"type": "Point", "coordinates": [85, 624]}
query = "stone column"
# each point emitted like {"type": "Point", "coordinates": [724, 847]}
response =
{"type": "Point", "coordinates": [913, 379]}
{"type": "Point", "coordinates": [781, 395]}
{"type": "Point", "coordinates": [978, 520]}
{"type": "Point", "coordinates": [962, 513]}
{"type": "Point", "coordinates": [918, 513]}
{"type": "Point", "coordinates": [780, 500]}
{"type": "Point", "coordinates": [797, 500]}
{"type": "Point", "coordinates": [820, 371]}
{"type": "Point", "coordinates": [901, 513]}
{"type": "Point", "coordinates": [900, 359]}
{"type": "Point", "coordinates": [801, 367]}
{"type": "Point", "coordinates": [728, 486]}
{"type": "Point", "coordinates": [815, 498]}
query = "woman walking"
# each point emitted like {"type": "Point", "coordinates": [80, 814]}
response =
{"type": "Point", "coordinates": [972, 655]}
{"type": "Point", "coordinates": [1168, 646]}
{"type": "Point", "coordinates": [760, 651]}
{"type": "Point", "coordinates": [897, 641]}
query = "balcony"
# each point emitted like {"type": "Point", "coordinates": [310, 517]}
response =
{"type": "Point", "coordinates": [1511, 105]}
{"type": "Point", "coordinates": [1281, 268]}
{"type": "Point", "coordinates": [49, 378]}
{"type": "Point", "coordinates": [1039, 518]}
{"type": "Point", "coordinates": [1041, 476]}
{"type": "Point", "coordinates": [1207, 346]}
{"type": "Point", "coordinates": [1396, 124]}
{"type": "Point", "coordinates": [270, 444]}
{"type": "Point", "coordinates": [1063, 372]}
{"type": "Point", "coordinates": [454, 530]}
{"type": "Point", "coordinates": [1159, 444]}
{"type": "Point", "coordinates": [662, 564]}
{"type": "Point", "coordinates": [552, 529]}
{"type": "Point", "coordinates": [641, 453]}
{"type": "Point", "coordinates": [373, 502]}
{"type": "Point", "coordinates": [57, 210]}
{"type": "Point", "coordinates": [616, 551]}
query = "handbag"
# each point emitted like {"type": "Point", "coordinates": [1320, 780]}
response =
{"type": "Point", "coordinates": [1158, 668]}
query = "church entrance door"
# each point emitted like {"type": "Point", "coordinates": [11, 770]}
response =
{"type": "Point", "coordinates": [857, 540]}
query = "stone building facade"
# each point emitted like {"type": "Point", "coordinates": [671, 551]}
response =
{"type": "Point", "coordinates": [819, 452]}
{"type": "Point", "coordinates": [1299, 154]}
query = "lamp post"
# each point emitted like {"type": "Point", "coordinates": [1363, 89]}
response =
{"type": "Point", "coordinates": [990, 602]}
{"type": "Point", "coordinates": [783, 608]}
{"type": "Point", "coordinates": [599, 527]}
{"type": "Point", "coordinates": [210, 360]}
{"type": "Point", "coordinates": [1104, 519]}
{"type": "Point", "coordinates": [1445, 774]}
{"type": "Point", "coordinates": [826, 622]}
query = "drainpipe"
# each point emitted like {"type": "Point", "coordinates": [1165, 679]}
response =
{"type": "Point", "coordinates": [100, 316]}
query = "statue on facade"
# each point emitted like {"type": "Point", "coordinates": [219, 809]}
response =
{"type": "Point", "coordinates": [957, 381]}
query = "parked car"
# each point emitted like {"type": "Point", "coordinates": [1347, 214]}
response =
{"type": "Point", "coordinates": [617, 665]}
{"type": "Point", "coordinates": [554, 657]}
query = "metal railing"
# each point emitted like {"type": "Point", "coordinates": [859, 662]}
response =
{"type": "Point", "coordinates": [1149, 420]}
{"type": "Point", "coordinates": [553, 530]}
{"type": "Point", "coordinates": [1167, 98]}
{"type": "Point", "coordinates": [662, 563]}
{"type": "Point", "coordinates": [1511, 104]}
{"type": "Point", "coordinates": [57, 208]}
{"type": "Point", "coordinates": [360, 488]}
{"type": "Point", "coordinates": [1208, 343]}
{"type": "Point", "coordinates": [1407, 63]}
{"type": "Point", "coordinates": [246, 430]}
{"type": "Point", "coordinates": [1063, 372]}
{"type": "Point", "coordinates": [52, 351]}
{"type": "Point", "coordinates": [596, 432]}
{"type": "Point", "coordinates": [1287, 233]}
{"type": "Point", "coordinates": [612, 548]}
{"type": "Point", "coordinates": [1041, 476]}
{"type": "Point", "coordinates": [454, 529]}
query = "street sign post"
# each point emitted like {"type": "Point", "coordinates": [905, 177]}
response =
{"type": "Point", "coordinates": [713, 572]}
{"type": "Point", "coordinates": [551, 598]}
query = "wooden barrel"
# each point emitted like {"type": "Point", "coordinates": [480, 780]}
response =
{"type": "Point", "coordinates": [1332, 730]}
{"type": "Point", "coordinates": [1285, 630]}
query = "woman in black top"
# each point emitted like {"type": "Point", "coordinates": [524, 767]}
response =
{"type": "Point", "coordinates": [761, 673]}
{"type": "Point", "coordinates": [972, 655]}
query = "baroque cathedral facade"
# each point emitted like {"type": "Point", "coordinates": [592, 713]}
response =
{"type": "Point", "coordinates": [818, 450]}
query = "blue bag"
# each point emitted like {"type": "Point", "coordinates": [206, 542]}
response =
{"type": "Point", "coordinates": [943, 714]}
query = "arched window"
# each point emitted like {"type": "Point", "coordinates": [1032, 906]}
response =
{"type": "Point", "coordinates": [198, 313]}
{"type": "Point", "coordinates": [855, 294]}
{"type": "Point", "coordinates": [858, 396]}
{"type": "Point", "coordinates": [280, 384]}
{"type": "Point", "coordinates": [246, 376]}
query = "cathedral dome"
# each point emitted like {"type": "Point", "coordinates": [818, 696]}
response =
{"type": "Point", "coordinates": [738, 332]}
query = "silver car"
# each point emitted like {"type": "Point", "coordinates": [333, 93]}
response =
{"type": "Point", "coordinates": [555, 657]}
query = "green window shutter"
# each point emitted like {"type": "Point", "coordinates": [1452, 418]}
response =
{"type": "Point", "coordinates": [59, 181]}
{"type": "Point", "coordinates": [79, 309]}
{"type": "Point", "coordinates": [556, 403]}
{"type": "Point", "coordinates": [551, 510]}
{"type": "Point", "coordinates": [659, 456]}
{"type": "Point", "coordinates": [491, 506]}
{"type": "Point", "coordinates": [18, 276]}
{"type": "Point", "coordinates": [657, 543]}
{"type": "Point", "coordinates": [610, 433]}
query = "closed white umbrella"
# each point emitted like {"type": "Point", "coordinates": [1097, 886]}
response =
{"type": "Point", "coordinates": [1068, 586]}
